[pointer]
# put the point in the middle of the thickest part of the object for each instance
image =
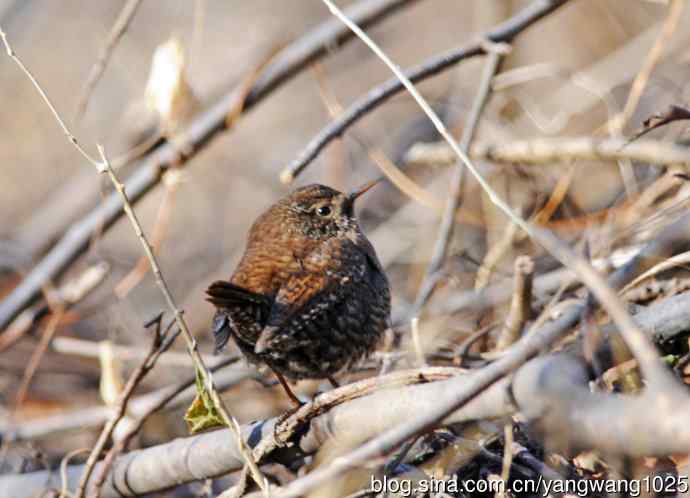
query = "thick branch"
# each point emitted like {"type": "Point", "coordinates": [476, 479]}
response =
{"type": "Point", "coordinates": [211, 454]}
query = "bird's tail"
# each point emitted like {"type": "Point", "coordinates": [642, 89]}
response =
{"type": "Point", "coordinates": [224, 294]}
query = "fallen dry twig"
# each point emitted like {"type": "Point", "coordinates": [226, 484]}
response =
{"type": "Point", "coordinates": [520, 306]}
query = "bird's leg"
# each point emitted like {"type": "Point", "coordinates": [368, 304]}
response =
{"type": "Point", "coordinates": [333, 382]}
{"type": "Point", "coordinates": [288, 391]}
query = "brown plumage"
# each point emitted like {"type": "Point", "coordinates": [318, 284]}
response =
{"type": "Point", "coordinates": [309, 296]}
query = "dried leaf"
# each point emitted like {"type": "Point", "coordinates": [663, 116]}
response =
{"type": "Point", "coordinates": [168, 93]}
{"type": "Point", "coordinates": [202, 414]}
{"type": "Point", "coordinates": [112, 382]}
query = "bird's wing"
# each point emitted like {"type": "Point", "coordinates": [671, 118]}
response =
{"type": "Point", "coordinates": [299, 291]}
{"type": "Point", "coordinates": [225, 295]}
{"type": "Point", "coordinates": [303, 299]}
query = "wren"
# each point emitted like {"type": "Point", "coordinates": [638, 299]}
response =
{"type": "Point", "coordinates": [309, 297]}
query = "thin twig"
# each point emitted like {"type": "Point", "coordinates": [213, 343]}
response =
{"type": "Point", "coordinates": [104, 167]}
{"type": "Point", "coordinates": [69, 294]}
{"type": "Point", "coordinates": [36, 356]}
{"type": "Point", "coordinates": [394, 174]}
{"type": "Point", "coordinates": [653, 56]}
{"type": "Point", "coordinates": [91, 349]}
{"type": "Point", "coordinates": [638, 343]}
{"type": "Point", "coordinates": [293, 58]}
{"type": "Point", "coordinates": [63, 470]}
{"type": "Point", "coordinates": [159, 344]}
{"type": "Point", "coordinates": [671, 115]}
{"type": "Point", "coordinates": [198, 29]}
{"type": "Point", "coordinates": [657, 288]}
{"type": "Point", "coordinates": [445, 231]}
{"type": "Point", "coordinates": [521, 305]}
{"type": "Point", "coordinates": [192, 346]}
{"type": "Point", "coordinates": [494, 255]}
{"type": "Point", "coordinates": [121, 24]}
{"type": "Point", "coordinates": [507, 451]}
{"type": "Point", "coordinates": [146, 366]}
{"type": "Point", "coordinates": [617, 124]}
{"type": "Point", "coordinates": [160, 226]}
{"type": "Point", "coordinates": [503, 33]}
{"type": "Point", "coordinates": [461, 351]}
{"type": "Point", "coordinates": [682, 259]}
{"type": "Point", "coordinates": [417, 343]}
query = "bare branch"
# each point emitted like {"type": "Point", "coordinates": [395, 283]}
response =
{"type": "Point", "coordinates": [122, 22]}
{"type": "Point", "coordinates": [295, 57]}
{"type": "Point", "coordinates": [445, 231]}
{"type": "Point", "coordinates": [521, 305]}
{"type": "Point", "coordinates": [642, 349]}
{"type": "Point", "coordinates": [191, 458]}
{"type": "Point", "coordinates": [104, 167]}
{"type": "Point", "coordinates": [503, 33]}
{"type": "Point", "coordinates": [159, 343]}
{"type": "Point", "coordinates": [556, 150]}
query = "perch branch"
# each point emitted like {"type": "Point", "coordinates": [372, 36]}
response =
{"type": "Point", "coordinates": [187, 459]}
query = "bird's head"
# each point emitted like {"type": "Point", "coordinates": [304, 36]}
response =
{"type": "Point", "coordinates": [320, 212]}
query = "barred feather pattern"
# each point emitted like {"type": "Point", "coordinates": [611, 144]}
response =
{"type": "Point", "coordinates": [307, 300]}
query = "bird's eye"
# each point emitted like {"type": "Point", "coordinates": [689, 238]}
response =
{"type": "Point", "coordinates": [323, 211]}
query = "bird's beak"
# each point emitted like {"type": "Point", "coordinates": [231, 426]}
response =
{"type": "Point", "coordinates": [352, 196]}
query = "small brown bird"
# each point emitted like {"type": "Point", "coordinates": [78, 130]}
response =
{"type": "Point", "coordinates": [309, 296]}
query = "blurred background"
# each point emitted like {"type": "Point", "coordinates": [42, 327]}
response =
{"type": "Point", "coordinates": [567, 75]}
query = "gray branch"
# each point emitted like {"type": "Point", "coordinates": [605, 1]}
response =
{"type": "Point", "coordinates": [552, 391]}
